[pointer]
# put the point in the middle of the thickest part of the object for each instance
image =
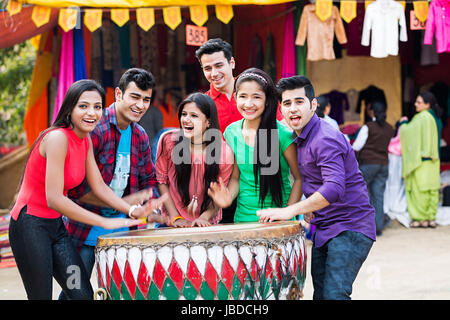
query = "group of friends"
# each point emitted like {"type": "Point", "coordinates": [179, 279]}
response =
{"type": "Point", "coordinates": [246, 150]}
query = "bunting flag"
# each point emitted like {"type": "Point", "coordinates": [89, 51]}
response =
{"type": "Point", "coordinates": [67, 19]}
{"type": "Point", "coordinates": [40, 15]}
{"type": "Point", "coordinates": [199, 14]}
{"type": "Point", "coordinates": [172, 17]}
{"type": "Point", "coordinates": [120, 16]}
{"type": "Point", "coordinates": [36, 112]}
{"type": "Point", "coordinates": [421, 10]}
{"type": "Point", "coordinates": [93, 19]}
{"type": "Point", "coordinates": [224, 13]}
{"type": "Point", "coordinates": [13, 7]}
{"type": "Point", "coordinates": [145, 18]}
{"type": "Point", "coordinates": [348, 10]}
{"type": "Point", "coordinates": [324, 9]}
{"type": "Point", "coordinates": [367, 2]}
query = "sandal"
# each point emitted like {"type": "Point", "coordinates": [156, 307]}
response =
{"type": "Point", "coordinates": [415, 224]}
{"type": "Point", "coordinates": [423, 224]}
{"type": "Point", "coordinates": [432, 224]}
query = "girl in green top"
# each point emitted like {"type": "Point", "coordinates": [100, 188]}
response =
{"type": "Point", "coordinates": [265, 154]}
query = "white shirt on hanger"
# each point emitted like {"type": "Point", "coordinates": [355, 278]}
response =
{"type": "Point", "coordinates": [383, 17]}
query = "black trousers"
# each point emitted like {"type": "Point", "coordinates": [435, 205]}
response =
{"type": "Point", "coordinates": [43, 249]}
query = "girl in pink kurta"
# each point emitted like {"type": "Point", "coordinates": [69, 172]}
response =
{"type": "Point", "coordinates": [189, 159]}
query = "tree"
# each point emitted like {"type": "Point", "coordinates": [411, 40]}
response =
{"type": "Point", "coordinates": [16, 69]}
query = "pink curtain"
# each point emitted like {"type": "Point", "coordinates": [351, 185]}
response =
{"type": "Point", "coordinates": [288, 67]}
{"type": "Point", "coordinates": [66, 70]}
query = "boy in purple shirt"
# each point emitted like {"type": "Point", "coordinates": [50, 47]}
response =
{"type": "Point", "coordinates": [337, 202]}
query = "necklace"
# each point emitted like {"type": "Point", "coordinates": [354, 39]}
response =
{"type": "Point", "coordinates": [193, 205]}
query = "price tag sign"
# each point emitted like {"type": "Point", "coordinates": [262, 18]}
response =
{"type": "Point", "coordinates": [416, 24]}
{"type": "Point", "coordinates": [196, 36]}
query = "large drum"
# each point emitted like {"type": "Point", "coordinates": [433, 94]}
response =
{"type": "Point", "coordinates": [230, 261]}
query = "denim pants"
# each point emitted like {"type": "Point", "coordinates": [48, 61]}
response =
{"type": "Point", "coordinates": [375, 176]}
{"type": "Point", "coordinates": [43, 249]}
{"type": "Point", "coordinates": [335, 265]}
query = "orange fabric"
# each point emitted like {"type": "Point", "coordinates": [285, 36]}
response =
{"type": "Point", "coordinates": [110, 98]}
{"type": "Point", "coordinates": [36, 112]}
{"type": "Point", "coordinates": [320, 34]}
{"type": "Point", "coordinates": [170, 117]}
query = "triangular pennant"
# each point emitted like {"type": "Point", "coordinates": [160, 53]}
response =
{"type": "Point", "coordinates": [224, 13]}
{"type": "Point", "coordinates": [421, 10]}
{"type": "Point", "coordinates": [93, 19]}
{"type": "Point", "coordinates": [120, 16]}
{"type": "Point", "coordinates": [172, 17]}
{"type": "Point", "coordinates": [199, 14]}
{"type": "Point", "coordinates": [145, 18]}
{"type": "Point", "coordinates": [40, 15]}
{"type": "Point", "coordinates": [67, 19]}
{"type": "Point", "coordinates": [324, 9]}
{"type": "Point", "coordinates": [348, 10]}
{"type": "Point", "coordinates": [13, 7]}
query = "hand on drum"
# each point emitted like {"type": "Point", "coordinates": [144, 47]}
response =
{"type": "Point", "coordinates": [116, 223]}
{"type": "Point", "coordinates": [220, 194]}
{"type": "Point", "coordinates": [199, 222]}
{"type": "Point", "coordinates": [148, 208]}
{"type": "Point", "coordinates": [272, 214]}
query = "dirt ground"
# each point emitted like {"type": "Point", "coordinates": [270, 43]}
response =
{"type": "Point", "coordinates": [404, 264]}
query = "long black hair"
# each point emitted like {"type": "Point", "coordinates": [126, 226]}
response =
{"type": "Point", "coordinates": [379, 111]}
{"type": "Point", "coordinates": [268, 182]}
{"type": "Point", "coordinates": [183, 169]}
{"type": "Point", "coordinates": [429, 97]}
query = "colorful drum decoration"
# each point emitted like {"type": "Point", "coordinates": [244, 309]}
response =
{"type": "Point", "coordinates": [227, 262]}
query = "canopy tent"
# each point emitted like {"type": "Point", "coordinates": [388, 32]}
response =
{"type": "Point", "coordinates": [146, 3]}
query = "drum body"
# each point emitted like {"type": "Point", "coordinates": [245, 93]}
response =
{"type": "Point", "coordinates": [228, 262]}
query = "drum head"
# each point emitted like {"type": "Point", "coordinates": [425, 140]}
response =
{"type": "Point", "coordinates": [220, 232]}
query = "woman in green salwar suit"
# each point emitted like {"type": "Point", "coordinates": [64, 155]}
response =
{"type": "Point", "coordinates": [420, 141]}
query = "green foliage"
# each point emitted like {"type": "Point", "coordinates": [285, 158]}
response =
{"type": "Point", "coordinates": [16, 69]}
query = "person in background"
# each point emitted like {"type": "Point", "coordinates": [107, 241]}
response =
{"type": "Point", "coordinates": [60, 158]}
{"type": "Point", "coordinates": [337, 202]}
{"type": "Point", "coordinates": [420, 159]}
{"type": "Point", "coordinates": [189, 159]}
{"type": "Point", "coordinates": [371, 145]}
{"type": "Point", "coordinates": [323, 111]}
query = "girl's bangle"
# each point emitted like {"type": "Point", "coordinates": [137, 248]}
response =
{"type": "Point", "coordinates": [175, 219]}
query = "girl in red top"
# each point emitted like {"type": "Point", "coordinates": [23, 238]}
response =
{"type": "Point", "coordinates": [59, 160]}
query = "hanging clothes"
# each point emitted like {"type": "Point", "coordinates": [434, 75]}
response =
{"type": "Point", "coordinates": [80, 70]}
{"type": "Point", "coordinates": [339, 103]}
{"type": "Point", "coordinates": [269, 58]}
{"type": "Point", "coordinates": [383, 18]}
{"type": "Point", "coordinates": [438, 24]}
{"type": "Point", "coordinates": [353, 31]}
{"type": "Point", "coordinates": [300, 51]}
{"type": "Point", "coordinates": [320, 34]}
{"type": "Point", "coordinates": [256, 53]}
{"type": "Point", "coordinates": [66, 77]}
{"type": "Point", "coordinates": [288, 67]}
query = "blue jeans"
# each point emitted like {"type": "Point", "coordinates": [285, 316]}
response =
{"type": "Point", "coordinates": [335, 265]}
{"type": "Point", "coordinates": [375, 176]}
{"type": "Point", "coordinates": [43, 248]}
{"type": "Point", "coordinates": [87, 254]}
